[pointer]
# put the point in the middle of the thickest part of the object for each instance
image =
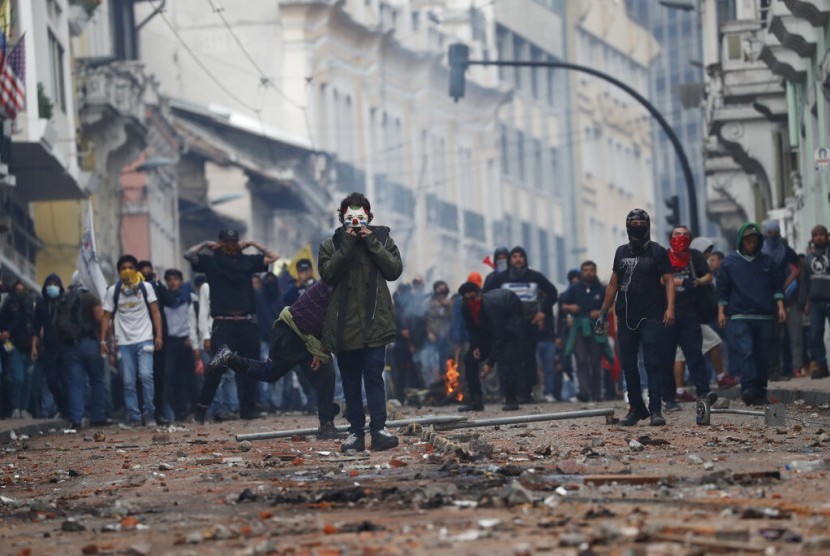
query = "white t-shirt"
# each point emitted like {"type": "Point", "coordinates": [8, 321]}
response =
{"type": "Point", "coordinates": [132, 320]}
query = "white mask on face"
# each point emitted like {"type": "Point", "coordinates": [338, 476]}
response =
{"type": "Point", "coordinates": [355, 217]}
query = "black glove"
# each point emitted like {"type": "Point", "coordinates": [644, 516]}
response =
{"type": "Point", "coordinates": [601, 324]}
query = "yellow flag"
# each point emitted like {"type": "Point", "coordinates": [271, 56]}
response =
{"type": "Point", "coordinates": [304, 253]}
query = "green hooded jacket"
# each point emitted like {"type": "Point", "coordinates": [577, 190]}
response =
{"type": "Point", "coordinates": [361, 313]}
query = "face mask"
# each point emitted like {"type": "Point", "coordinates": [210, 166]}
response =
{"type": "Point", "coordinates": [355, 217]}
{"type": "Point", "coordinates": [773, 241]}
{"type": "Point", "coordinates": [501, 265]}
{"type": "Point", "coordinates": [638, 232]}
{"type": "Point", "coordinates": [52, 291]}
{"type": "Point", "coordinates": [680, 243]}
{"type": "Point", "coordinates": [130, 278]}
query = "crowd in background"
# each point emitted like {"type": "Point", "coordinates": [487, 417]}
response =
{"type": "Point", "coordinates": [50, 362]}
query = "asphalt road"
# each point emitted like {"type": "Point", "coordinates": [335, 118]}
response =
{"type": "Point", "coordinates": [571, 487]}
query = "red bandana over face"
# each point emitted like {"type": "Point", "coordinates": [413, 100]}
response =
{"type": "Point", "coordinates": [679, 253]}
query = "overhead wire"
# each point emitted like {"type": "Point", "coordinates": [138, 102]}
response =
{"type": "Point", "coordinates": [218, 82]}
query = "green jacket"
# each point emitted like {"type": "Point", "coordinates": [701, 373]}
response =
{"type": "Point", "coordinates": [361, 313]}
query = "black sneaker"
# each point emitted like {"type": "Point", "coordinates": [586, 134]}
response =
{"type": "Point", "coordinates": [327, 431]}
{"type": "Point", "coordinates": [354, 442]}
{"type": "Point", "coordinates": [474, 406]}
{"type": "Point", "coordinates": [657, 419]}
{"type": "Point", "coordinates": [220, 359]}
{"type": "Point", "coordinates": [102, 423]}
{"type": "Point", "coordinates": [582, 396]}
{"type": "Point", "coordinates": [199, 414]}
{"type": "Point", "coordinates": [383, 440]}
{"type": "Point", "coordinates": [672, 405]}
{"type": "Point", "coordinates": [634, 416]}
{"type": "Point", "coordinates": [510, 406]}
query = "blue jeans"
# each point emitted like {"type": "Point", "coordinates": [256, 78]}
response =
{"type": "Point", "coordinates": [750, 341]}
{"type": "Point", "coordinates": [651, 335]}
{"type": "Point", "coordinates": [546, 357]}
{"type": "Point", "coordinates": [137, 365]}
{"type": "Point", "coordinates": [84, 360]}
{"type": "Point", "coordinates": [819, 314]}
{"type": "Point", "coordinates": [17, 379]}
{"type": "Point", "coordinates": [364, 367]}
{"type": "Point", "coordinates": [687, 334]}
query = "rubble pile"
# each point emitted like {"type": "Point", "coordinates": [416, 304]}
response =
{"type": "Point", "coordinates": [548, 487]}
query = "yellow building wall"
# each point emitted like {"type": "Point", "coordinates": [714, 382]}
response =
{"type": "Point", "coordinates": [58, 226]}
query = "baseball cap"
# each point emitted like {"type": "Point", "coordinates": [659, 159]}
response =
{"type": "Point", "coordinates": [228, 234]}
{"type": "Point", "coordinates": [303, 264]}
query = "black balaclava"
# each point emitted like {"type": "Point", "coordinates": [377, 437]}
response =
{"type": "Point", "coordinates": [638, 236]}
{"type": "Point", "coordinates": [513, 272]}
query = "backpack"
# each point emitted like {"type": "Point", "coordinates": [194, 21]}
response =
{"type": "Point", "coordinates": [117, 294]}
{"type": "Point", "coordinates": [69, 322]}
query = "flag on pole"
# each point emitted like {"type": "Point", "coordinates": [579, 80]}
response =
{"type": "Point", "coordinates": [89, 270]}
{"type": "Point", "coordinates": [12, 78]}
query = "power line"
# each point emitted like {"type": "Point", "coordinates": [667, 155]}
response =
{"type": "Point", "coordinates": [204, 68]}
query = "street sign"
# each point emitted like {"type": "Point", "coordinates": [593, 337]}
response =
{"type": "Point", "coordinates": [822, 159]}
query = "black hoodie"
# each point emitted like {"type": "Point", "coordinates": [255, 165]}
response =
{"type": "Point", "coordinates": [535, 291]}
{"type": "Point", "coordinates": [45, 309]}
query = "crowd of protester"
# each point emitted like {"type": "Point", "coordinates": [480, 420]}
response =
{"type": "Point", "coordinates": [142, 355]}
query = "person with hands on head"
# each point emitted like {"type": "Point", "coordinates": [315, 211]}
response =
{"type": "Point", "coordinates": [642, 284]}
{"type": "Point", "coordinates": [133, 309]}
{"type": "Point", "coordinates": [357, 261]}
{"type": "Point", "coordinates": [233, 309]}
{"type": "Point", "coordinates": [750, 292]}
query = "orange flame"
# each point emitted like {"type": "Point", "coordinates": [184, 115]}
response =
{"type": "Point", "coordinates": [452, 383]}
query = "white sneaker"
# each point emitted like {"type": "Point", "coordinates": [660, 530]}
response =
{"type": "Point", "coordinates": [16, 414]}
{"type": "Point", "coordinates": [549, 398]}
{"type": "Point", "coordinates": [25, 414]}
{"type": "Point", "coordinates": [150, 423]}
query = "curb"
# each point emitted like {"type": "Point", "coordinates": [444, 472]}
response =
{"type": "Point", "coordinates": [785, 395]}
{"type": "Point", "coordinates": [30, 429]}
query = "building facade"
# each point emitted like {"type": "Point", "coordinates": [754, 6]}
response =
{"type": "Point", "coordinates": [612, 131]}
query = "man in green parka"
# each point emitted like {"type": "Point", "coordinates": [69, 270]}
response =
{"type": "Point", "coordinates": [358, 260]}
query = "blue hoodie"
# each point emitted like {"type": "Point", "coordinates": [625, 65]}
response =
{"type": "Point", "coordinates": [749, 286]}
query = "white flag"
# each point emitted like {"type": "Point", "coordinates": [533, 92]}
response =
{"type": "Point", "coordinates": [89, 271]}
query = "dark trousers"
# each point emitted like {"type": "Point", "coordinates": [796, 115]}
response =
{"type": "Point", "coordinates": [750, 342]}
{"type": "Point", "coordinates": [687, 334]}
{"type": "Point", "coordinates": [472, 375]}
{"type": "Point", "coordinates": [50, 365]}
{"type": "Point", "coordinates": [363, 367]}
{"type": "Point", "coordinates": [159, 363]}
{"type": "Point", "coordinates": [527, 362]}
{"type": "Point", "coordinates": [512, 373]}
{"type": "Point", "coordinates": [286, 352]}
{"type": "Point", "coordinates": [179, 376]}
{"type": "Point", "coordinates": [650, 335]}
{"type": "Point", "coordinates": [242, 337]}
{"type": "Point", "coordinates": [404, 374]}
{"type": "Point", "coordinates": [819, 315]}
{"type": "Point", "coordinates": [589, 366]}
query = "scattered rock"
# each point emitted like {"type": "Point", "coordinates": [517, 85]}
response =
{"type": "Point", "coordinates": [72, 526]}
{"type": "Point", "coordinates": [165, 467]}
{"type": "Point", "coordinates": [694, 459]}
{"type": "Point", "coordinates": [515, 494]}
{"type": "Point", "coordinates": [635, 446]}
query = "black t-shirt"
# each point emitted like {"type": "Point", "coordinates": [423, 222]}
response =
{"type": "Point", "coordinates": [229, 276]}
{"type": "Point", "coordinates": [641, 294]}
{"type": "Point", "coordinates": [685, 304]}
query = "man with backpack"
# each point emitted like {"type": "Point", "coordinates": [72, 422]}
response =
{"type": "Point", "coordinates": [78, 318]}
{"type": "Point", "coordinates": [133, 309]}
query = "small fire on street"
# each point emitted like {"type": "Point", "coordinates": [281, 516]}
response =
{"type": "Point", "coordinates": [452, 381]}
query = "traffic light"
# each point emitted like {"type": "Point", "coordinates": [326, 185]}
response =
{"type": "Point", "coordinates": [673, 215]}
{"type": "Point", "coordinates": [458, 58]}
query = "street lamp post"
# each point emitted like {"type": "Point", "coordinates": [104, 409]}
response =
{"type": "Point", "coordinates": [459, 63]}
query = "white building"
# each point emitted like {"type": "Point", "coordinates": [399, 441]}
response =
{"type": "Point", "coordinates": [611, 130]}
